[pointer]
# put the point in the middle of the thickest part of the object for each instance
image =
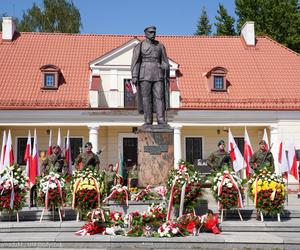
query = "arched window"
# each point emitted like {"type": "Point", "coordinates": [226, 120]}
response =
{"type": "Point", "coordinates": [50, 76]}
{"type": "Point", "coordinates": [217, 79]}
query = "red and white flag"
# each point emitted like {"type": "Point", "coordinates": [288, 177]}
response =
{"type": "Point", "coordinates": [3, 147]}
{"type": "Point", "coordinates": [238, 161]}
{"type": "Point", "coordinates": [68, 154]}
{"type": "Point", "coordinates": [248, 152]}
{"type": "Point", "coordinates": [265, 138]}
{"type": "Point", "coordinates": [59, 138]}
{"type": "Point", "coordinates": [49, 151]}
{"type": "Point", "coordinates": [27, 155]}
{"type": "Point", "coordinates": [293, 161]}
{"type": "Point", "coordinates": [9, 155]}
{"type": "Point", "coordinates": [34, 170]}
{"type": "Point", "coordinates": [282, 160]}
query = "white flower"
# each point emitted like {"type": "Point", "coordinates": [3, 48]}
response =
{"type": "Point", "coordinates": [52, 185]}
{"type": "Point", "coordinates": [21, 186]}
{"type": "Point", "coordinates": [218, 174]}
{"type": "Point", "coordinates": [229, 185]}
{"type": "Point", "coordinates": [226, 172]}
{"type": "Point", "coordinates": [174, 231]}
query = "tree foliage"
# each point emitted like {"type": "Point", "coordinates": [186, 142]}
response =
{"type": "Point", "coordinates": [203, 26]}
{"type": "Point", "coordinates": [279, 19]}
{"type": "Point", "coordinates": [53, 16]}
{"type": "Point", "coordinates": [224, 22]}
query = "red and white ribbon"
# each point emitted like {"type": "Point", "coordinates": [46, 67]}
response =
{"type": "Point", "coordinates": [117, 192]}
{"type": "Point", "coordinates": [235, 185]}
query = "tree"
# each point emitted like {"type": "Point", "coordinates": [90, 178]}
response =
{"type": "Point", "coordinates": [203, 26]}
{"type": "Point", "coordinates": [225, 23]}
{"type": "Point", "coordinates": [53, 16]}
{"type": "Point", "coordinates": [280, 19]}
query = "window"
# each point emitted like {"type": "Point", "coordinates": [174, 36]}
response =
{"type": "Point", "coordinates": [216, 79]}
{"type": "Point", "coordinates": [129, 94]}
{"type": "Point", "coordinates": [51, 77]}
{"type": "Point", "coordinates": [240, 143]}
{"type": "Point", "coordinates": [219, 82]}
{"type": "Point", "coordinates": [49, 80]}
{"type": "Point", "coordinates": [193, 149]}
{"type": "Point", "coordinates": [76, 147]}
{"type": "Point", "coordinates": [21, 147]}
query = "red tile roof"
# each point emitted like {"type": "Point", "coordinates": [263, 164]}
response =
{"type": "Point", "coordinates": [266, 76]}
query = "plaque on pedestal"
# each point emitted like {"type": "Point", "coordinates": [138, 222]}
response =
{"type": "Point", "coordinates": [155, 155]}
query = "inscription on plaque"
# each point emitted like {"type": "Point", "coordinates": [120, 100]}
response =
{"type": "Point", "coordinates": [156, 150]}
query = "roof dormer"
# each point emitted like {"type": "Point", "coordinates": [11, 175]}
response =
{"type": "Point", "coordinates": [216, 79]}
{"type": "Point", "coordinates": [51, 76]}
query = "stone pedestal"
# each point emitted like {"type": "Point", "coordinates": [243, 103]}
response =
{"type": "Point", "coordinates": [155, 155]}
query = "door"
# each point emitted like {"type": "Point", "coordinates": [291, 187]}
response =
{"type": "Point", "coordinates": [130, 151]}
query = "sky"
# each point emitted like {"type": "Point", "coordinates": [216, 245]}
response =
{"type": "Point", "coordinates": [171, 17]}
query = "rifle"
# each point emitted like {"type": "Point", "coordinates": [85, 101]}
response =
{"type": "Point", "coordinates": [226, 157]}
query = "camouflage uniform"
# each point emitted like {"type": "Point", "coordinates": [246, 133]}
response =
{"type": "Point", "coordinates": [110, 180]}
{"type": "Point", "coordinates": [133, 177]}
{"type": "Point", "coordinates": [262, 158]}
{"type": "Point", "coordinates": [87, 160]}
{"type": "Point", "coordinates": [217, 159]}
{"type": "Point", "coordinates": [54, 163]}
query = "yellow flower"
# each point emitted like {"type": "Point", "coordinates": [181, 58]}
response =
{"type": "Point", "coordinates": [259, 182]}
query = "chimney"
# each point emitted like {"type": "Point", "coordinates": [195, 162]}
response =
{"type": "Point", "coordinates": [8, 28]}
{"type": "Point", "coordinates": [248, 33]}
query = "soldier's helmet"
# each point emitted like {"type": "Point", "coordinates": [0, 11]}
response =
{"type": "Point", "coordinates": [221, 142]}
{"type": "Point", "coordinates": [150, 28]}
{"type": "Point", "coordinates": [262, 142]}
{"type": "Point", "coordinates": [88, 144]}
{"type": "Point", "coordinates": [56, 147]}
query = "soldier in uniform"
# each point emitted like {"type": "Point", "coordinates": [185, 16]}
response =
{"type": "Point", "coordinates": [149, 69]}
{"type": "Point", "coordinates": [110, 176]}
{"type": "Point", "coordinates": [218, 158]}
{"type": "Point", "coordinates": [87, 159]}
{"type": "Point", "coordinates": [262, 158]}
{"type": "Point", "coordinates": [54, 163]}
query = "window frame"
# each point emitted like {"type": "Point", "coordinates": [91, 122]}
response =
{"type": "Point", "coordinates": [202, 146]}
{"type": "Point", "coordinates": [50, 69]}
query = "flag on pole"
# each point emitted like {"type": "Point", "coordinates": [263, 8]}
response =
{"type": "Point", "coordinates": [9, 155]}
{"type": "Point", "coordinates": [238, 161]}
{"type": "Point", "coordinates": [282, 160]}
{"type": "Point", "coordinates": [59, 138]}
{"type": "Point", "coordinates": [68, 154]}
{"type": "Point", "coordinates": [265, 138]}
{"type": "Point", "coordinates": [293, 161]}
{"type": "Point", "coordinates": [34, 167]}
{"type": "Point", "coordinates": [119, 169]}
{"type": "Point", "coordinates": [248, 152]}
{"type": "Point", "coordinates": [27, 155]}
{"type": "Point", "coordinates": [3, 147]}
{"type": "Point", "coordinates": [49, 152]}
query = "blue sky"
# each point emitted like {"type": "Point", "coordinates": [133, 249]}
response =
{"type": "Point", "coordinates": [171, 17]}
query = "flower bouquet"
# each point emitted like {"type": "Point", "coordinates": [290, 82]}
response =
{"type": "Point", "coordinates": [171, 229]}
{"type": "Point", "coordinates": [135, 222]}
{"type": "Point", "coordinates": [86, 187]}
{"type": "Point", "coordinates": [189, 221]}
{"type": "Point", "coordinates": [184, 181]}
{"type": "Point", "coordinates": [12, 188]}
{"type": "Point", "coordinates": [155, 215]}
{"type": "Point", "coordinates": [51, 191]}
{"type": "Point", "coordinates": [267, 191]}
{"type": "Point", "coordinates": [227, 189]}
{"type": "Point", "coordinates": [119, 194]}
{"type": "Point", "coordinates": [145, 195]}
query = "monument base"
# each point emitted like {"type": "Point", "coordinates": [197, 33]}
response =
{"type": "Point", "coordinates": [155, 154]}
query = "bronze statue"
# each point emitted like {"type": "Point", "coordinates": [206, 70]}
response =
{"type": "Point", "coordinates": [150, 73]}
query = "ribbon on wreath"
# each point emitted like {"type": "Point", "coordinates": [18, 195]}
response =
{"type": "Point", "coordinates": [76, 185]}
{"type": "Point", "coordinates": [143, 192]}
{"type": "Point", "coordinates": [115, 191]}
{"type": "Point", "coordinates": [57, 182]}
{"type": "Point", "coordinates": [235, 185]}
{"type": "Point", "coordinates": [12, 194]}
{"type": "Point", "coordinates": [255, 184]}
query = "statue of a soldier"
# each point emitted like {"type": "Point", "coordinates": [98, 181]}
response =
{"type": "Point", "coordinates": [55, 163]}
{"type": "Point", "coordinates": [150, 73]}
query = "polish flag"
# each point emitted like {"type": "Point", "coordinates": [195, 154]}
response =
{"type": "Point", "coordinates": [9, 155]}
{"type": "Point", "coordinates": [283, 162]}
{"type": "Point", "coordinates": [68, 154]}
{"type": "Point", "coordinates": [59, 138]}
{"type": "Point", "coordinates": [293, 161]}
{"type": "Point", "coordinates": [49, 152]}
{"type": "Point", "coordinates": [27, 155]}
{"type": "Point", "coordinates": [3, 150]}
{"type": "Point", "coordinates": [238, 161]}
{"type": "Point", "coordinates": [265, 138]}
{"type": "Point", "coordinates": [34, 167]}
{"type": "Point", "coordinates": [248, 152]}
